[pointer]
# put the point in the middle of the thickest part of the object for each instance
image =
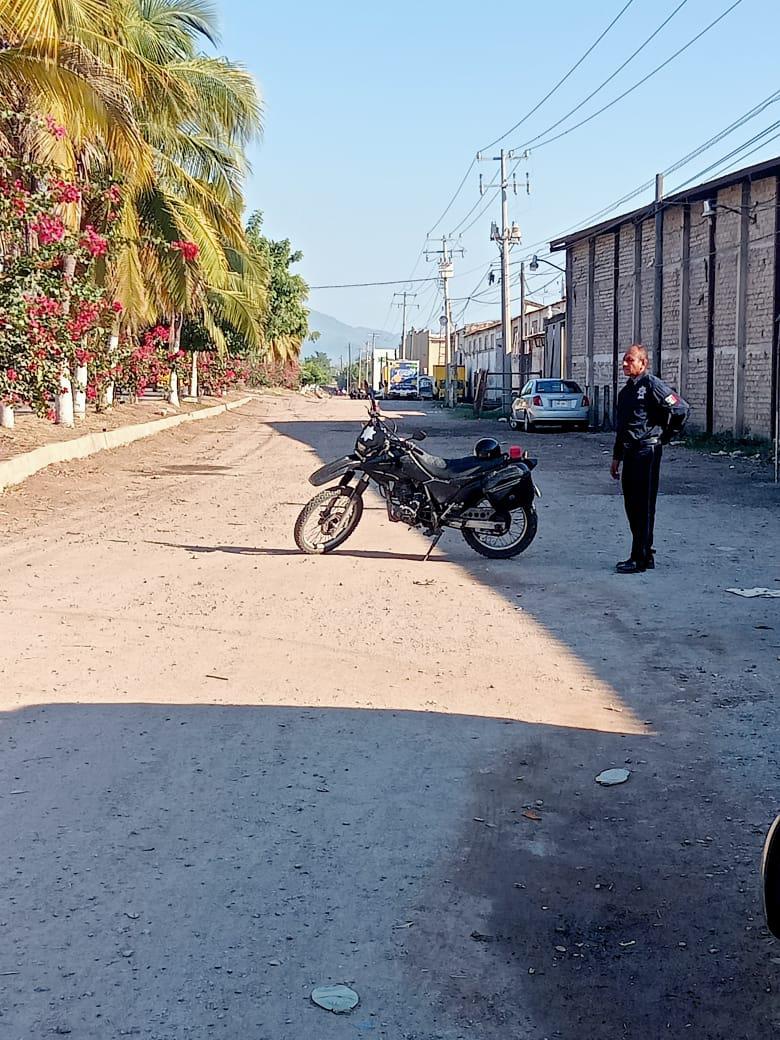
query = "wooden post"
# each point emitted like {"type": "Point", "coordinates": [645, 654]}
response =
{"type": "Point", "coordinates": [658, 274]}
{"type": "Point", "coordinates": [711, 259]}
{"type": "Point", "coordinates": [636, 328]}
{"type": "Point", "coordinates": [685, 299]}
{"type": "Point", "coordinates": [591, 313]}
{"type": "Point", "coordinates": [616, 315]}
{"type": "Point", "coordinates": [740, 358]}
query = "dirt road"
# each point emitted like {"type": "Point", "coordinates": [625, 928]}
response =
{"type": "Point", "coordinates": [231, 772]}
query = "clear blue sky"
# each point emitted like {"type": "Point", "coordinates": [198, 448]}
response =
{"type": "Point", "coordinates": [374, 112]}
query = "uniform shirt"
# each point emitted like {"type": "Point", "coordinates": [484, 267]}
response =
{"type": "Point", "coordinates": [647, 410]}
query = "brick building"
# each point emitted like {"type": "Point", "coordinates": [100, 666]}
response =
{"type": "Point", "coordinates": [480, 348]}
{"type": "Point", "coordinates": [696, 278]}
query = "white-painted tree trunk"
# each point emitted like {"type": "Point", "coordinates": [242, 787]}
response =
{"type": "Point", "coordinates": [194, 375]}
{"type": "Point", "coordinates": [64, 406]}
{"type": "Point", "coordinates": [80, 392]}
{"type": "Point", "coordinates": [174, 339]}
{"type": "Point", "coordinates": [108, 392]}
{"type": "Point", "coordinates": [7, 416]}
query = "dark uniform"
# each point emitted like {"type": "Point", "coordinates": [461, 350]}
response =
{"type": "Point", "coordinates": [649, 413]}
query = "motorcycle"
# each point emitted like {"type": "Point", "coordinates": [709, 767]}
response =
{"type": "Point", "coordinates": [488, 496]}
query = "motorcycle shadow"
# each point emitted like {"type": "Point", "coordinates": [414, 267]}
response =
{"type": "Point", "coordinates": [251, 550]}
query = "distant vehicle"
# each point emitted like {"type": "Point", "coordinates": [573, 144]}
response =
{"type": "Point", "coordinates": [557, 402]}
{"type": "Point", "coordinates": [440, 382]}
{"type": "Point", "coordinates": [425, 388]}
{"type": "Point", "coordinates": [401, 380]}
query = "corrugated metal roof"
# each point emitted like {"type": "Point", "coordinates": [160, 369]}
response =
{"type": "Point", "coordinates": [768, 168]}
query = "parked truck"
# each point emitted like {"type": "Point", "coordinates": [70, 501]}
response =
{"type": "Point", "coordinates": [399, 380]}
{"type": "Point", "coordinates": [440, 382]}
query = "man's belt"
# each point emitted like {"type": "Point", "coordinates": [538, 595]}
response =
{"type": "Point", "coordinates": [646, 442]}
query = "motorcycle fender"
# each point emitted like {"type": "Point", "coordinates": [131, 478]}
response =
{"type": "Point", "coordinates": [325, 474]}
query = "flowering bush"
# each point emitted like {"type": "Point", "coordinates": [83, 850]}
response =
{"type": "Point", "coordinates": [46, 319]}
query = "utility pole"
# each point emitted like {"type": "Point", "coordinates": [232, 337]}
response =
{"type": "Point", "coordinates": [403, 305]}
{"type": "Point", "coordinates": [349, 367]}
{"type": "Point", "coordinates": [521, 344]}
{"type": "Point", "coordinates": [505, 238]}
{"type": "Point", "coordinates": [445, 272]}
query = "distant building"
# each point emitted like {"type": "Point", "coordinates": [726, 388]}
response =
{"type": "Point", "coordinates": [480, 345]}
{"type": "Point", "coordinates": [426, 347]}
{"type": "Point", "coordinates": [696, 278]}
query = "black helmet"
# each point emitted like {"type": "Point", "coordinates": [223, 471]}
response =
{"type": "Point", "coordinates": [487, 448]}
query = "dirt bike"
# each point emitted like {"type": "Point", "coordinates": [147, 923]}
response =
{"type": "Point", "coordinates": [487, 496]}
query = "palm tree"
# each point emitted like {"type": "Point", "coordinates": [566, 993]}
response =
{"type": "Point", "coordinates": [144, 106]}
{"type": "Point", "coordinates": [196, 134]}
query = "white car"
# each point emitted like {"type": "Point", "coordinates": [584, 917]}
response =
{"type": "Point", "coordinates": [558, 402]}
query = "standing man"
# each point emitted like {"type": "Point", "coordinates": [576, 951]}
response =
{"type": "Point", "coordinates": [649, 413]}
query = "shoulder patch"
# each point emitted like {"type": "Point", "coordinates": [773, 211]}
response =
{"type": "Point", "coordinates": [672, 399]}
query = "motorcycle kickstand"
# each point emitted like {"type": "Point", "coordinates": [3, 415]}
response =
{"type": "Point", "coordinates": [432, 546]}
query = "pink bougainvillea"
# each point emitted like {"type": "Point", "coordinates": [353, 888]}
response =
{"type": "Point", "coordinates": [189, 250]}
{"type": "Point", "coordinates": [94, 243]}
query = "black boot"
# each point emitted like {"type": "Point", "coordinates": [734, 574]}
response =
{"type": "Point", "coordinates": [630, 567]}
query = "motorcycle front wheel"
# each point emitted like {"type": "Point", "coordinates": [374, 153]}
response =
{"type": "Point", "coordinates": [327, 520]}
{"type": "Point", "coordinates": [520, 534]}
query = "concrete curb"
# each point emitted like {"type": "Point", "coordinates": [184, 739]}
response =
{"type": "Point", "coordinates": [14, 471]}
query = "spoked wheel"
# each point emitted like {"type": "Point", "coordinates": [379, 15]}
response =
{"type": "Point", "coordinates": [516, 539]}
{"type": "Point", "coordinates": [328, 520]}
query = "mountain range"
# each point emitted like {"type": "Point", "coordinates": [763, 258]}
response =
{"type": "Point", "coordinates": [335, 337]}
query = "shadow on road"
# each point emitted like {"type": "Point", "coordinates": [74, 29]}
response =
{"type": "Point", "coordinates": [208, 865]}
{"type": "Point", "coordinates": [249, 550]}
{"type": "Point", "coordinates": [634, 911]}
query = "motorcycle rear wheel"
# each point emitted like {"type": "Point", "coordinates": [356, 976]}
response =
{"type": "Point", "coordinates": [327, 520]}
{"type": "Point", "coordinates": [521, 533]}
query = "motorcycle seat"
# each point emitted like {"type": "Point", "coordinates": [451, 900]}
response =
{"type": "Point", "coordinates": [455, 469]}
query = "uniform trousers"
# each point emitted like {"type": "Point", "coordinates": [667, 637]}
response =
{"type": "Point", "coordinates": [641, 470]}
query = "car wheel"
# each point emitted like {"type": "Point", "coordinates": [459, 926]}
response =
{"type": "Point", "coordinates": [527, 424]}
{"type": "Point", "coordinates": [513, 424]}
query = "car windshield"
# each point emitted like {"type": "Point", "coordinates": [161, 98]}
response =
{"type": "Point", "coordinates": [558, 386]}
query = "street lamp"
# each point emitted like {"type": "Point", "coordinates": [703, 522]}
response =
{"type": "Point", "coordinates": [536, 260]}
{"type": "Point", "coordinates": [709, 208]}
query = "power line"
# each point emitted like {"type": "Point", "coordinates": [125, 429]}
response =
{"type": "Point", "coordinates": [573, 110]}
{"type": "Point", "coordinates": [678, 164]}
{"type": "Point", "coordinates": [361, 285]}
{"type": "Point", "coordinates": [452, 200]}
{"type": "Point", "coordinates": [617, 71]}
{"type": "Point", "coordinates": [731, 154]}
{"type": "Point", "coordinates": [563, 79]}
{"type": "Point", "coordinates": [629, 90]}
{"type": "Point", "coordinates": [536, 107]}
{"type": "Point", "coordinates": [459, 227]}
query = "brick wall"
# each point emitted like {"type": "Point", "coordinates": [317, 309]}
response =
{"type": "Point", "coordinates": [760, 294]}
{"type": "Point", "coordinates": [648, 286]}
{"type": "Point", "coordinates": [755, 404]}
{"type": "Point", "coordinates": [670, 304]}
{"type": "Point", "coordinates": [578, 310]}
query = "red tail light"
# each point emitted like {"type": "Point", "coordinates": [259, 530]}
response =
{"type": "Point", "coordinates": [515, 451]}
{"type": "Point", "coordinates": [537, 402]}
{"type": "Point", "coordinates": [585, 401]}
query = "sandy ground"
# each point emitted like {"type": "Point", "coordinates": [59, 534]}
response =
{"type": "Point", "coordinates": [231, 772]}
